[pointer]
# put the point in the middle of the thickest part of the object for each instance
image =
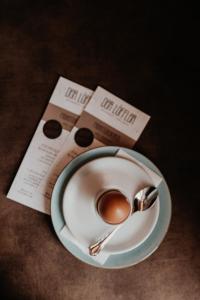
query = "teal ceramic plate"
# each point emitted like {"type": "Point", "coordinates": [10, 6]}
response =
{"type": "Point", "coordinates": [122, 260]}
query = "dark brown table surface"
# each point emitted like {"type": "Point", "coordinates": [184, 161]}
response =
{"type": "Point", "coordinates": [147, 55]}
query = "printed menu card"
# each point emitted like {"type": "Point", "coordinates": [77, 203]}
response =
{"type": "Point", "coordinates": [64, 108]}
{"type": "Point", "coordinates": [76, 120]}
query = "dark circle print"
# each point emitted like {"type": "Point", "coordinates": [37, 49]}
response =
{"type": "Point", "coordinates": [84, 137]}
{"type": "Point", "coordinates": [52, 129]}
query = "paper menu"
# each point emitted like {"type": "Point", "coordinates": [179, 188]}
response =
{"type": "Point", "coordinates": [106, 120]}
{"type": "Point", "coordinates": [72, 124]}
{"type": "Point", "coordinates": [112, 120]}
{"type": "Point", "coordinates": [65, 106]}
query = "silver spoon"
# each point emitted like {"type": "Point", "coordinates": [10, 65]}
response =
{"type": "Point", "coordinates": [143, 200]}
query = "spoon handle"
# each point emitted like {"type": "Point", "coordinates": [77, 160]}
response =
{"type": "Point", "coordinates": [94, 249]}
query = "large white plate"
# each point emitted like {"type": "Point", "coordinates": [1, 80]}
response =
{"type": "Point", "coordinates": [121, 260]}
{"type": "Point", "coordinates": [79, 203]}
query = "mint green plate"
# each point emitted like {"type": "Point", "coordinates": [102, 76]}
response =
{"type": "Point", "coordinates": [122, 260]}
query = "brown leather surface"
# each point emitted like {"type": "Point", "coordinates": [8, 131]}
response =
{"type": "Point", "coordinates": [143, 53]}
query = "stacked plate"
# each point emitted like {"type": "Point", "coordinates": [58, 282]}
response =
{"type": "Point", "coordinates": [73, 204]}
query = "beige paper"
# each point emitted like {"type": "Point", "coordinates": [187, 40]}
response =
{"type": "Point", "coordinates": [120, 125]}
{"type": "Point", "coordinates": [64, 108]}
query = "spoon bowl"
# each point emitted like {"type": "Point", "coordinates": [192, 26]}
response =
{"type": "Point", "coordinates": [145, 198]}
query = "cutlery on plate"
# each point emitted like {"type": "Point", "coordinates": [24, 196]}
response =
{"type": "Point", "coordinates": [143, 200]}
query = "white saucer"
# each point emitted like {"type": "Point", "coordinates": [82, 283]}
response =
{"type": "Point", "coordinates": [79, 207]}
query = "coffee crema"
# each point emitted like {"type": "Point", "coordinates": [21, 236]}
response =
{"type": "Point", "coordinates": [113, 207]}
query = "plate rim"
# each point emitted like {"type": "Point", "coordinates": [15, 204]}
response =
{"type": "Point", "coordinates": [73, 165]}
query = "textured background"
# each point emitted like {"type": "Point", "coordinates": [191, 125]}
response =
{"type": "Point", "coordinates": [147, 55]}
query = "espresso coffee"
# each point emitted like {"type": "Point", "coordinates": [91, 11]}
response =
{"type": "Point", "coordinates": [113, 207]}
